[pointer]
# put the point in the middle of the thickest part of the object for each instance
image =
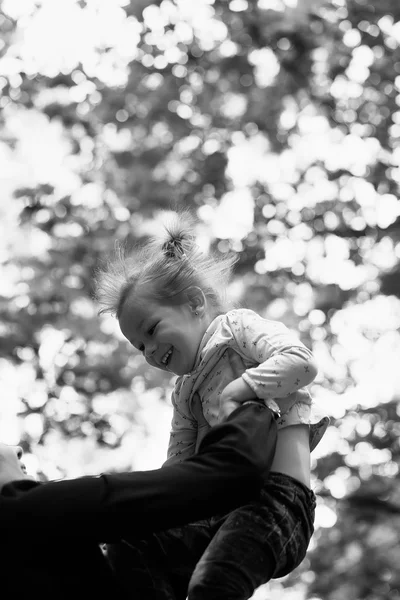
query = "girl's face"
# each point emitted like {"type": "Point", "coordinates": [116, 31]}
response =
{"type": "Point", "coordinates": [168, 336]}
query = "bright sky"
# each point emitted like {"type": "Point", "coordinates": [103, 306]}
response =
{"type": "Point", "coordinates": [367, 333]}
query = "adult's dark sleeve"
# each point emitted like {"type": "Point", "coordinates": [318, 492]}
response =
{"type": "Point", "coordinates": [228, 470]}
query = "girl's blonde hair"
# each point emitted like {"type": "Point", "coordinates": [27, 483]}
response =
{"type": "Point", "coordinates": [168, 264]}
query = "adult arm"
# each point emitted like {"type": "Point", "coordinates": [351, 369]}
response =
{"type": "Point", "coordinates": [227, 471]}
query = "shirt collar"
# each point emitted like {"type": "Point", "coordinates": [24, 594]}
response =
{"type": "Point", "coordinates": [206, 342]}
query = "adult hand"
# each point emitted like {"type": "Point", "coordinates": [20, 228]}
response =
{"type": "Point", "coordinates": [233, 395]}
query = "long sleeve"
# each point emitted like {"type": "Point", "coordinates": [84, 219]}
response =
{"type": "Point", "coordinates": [183, 436]}
{"type": "Point", "coordinates": [227, 471]}
{"type": "Point", "coordinates": [285, 364]}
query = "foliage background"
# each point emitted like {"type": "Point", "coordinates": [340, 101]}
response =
{"type": "Point", "coordinates": [278, 124]}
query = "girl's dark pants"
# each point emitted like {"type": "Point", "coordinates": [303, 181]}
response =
{"type": "Point", "coordinates": [226, 557]}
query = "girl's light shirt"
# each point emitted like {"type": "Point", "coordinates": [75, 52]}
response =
{"type": "Point", "coordinates": [272, 361]}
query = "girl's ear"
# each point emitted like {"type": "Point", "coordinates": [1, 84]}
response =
{"type": "Point", "coordinates": [196, 299]}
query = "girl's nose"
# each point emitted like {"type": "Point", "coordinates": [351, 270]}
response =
{"type": "Point", "coordinates": [150, 350]}
{"type": "Point", "coordinates": [19, 452]}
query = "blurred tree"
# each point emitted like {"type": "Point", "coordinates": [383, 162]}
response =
{"type": "Point", "coordinates": [299, 109]}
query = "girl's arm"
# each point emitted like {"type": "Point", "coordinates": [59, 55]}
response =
{"type": "Point", "coordinates": [284, 364]}
{"type": "Point", "coordinates": [282, 374]}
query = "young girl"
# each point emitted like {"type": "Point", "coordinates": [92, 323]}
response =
{"type": "Point", "coordinates": [168, 298]}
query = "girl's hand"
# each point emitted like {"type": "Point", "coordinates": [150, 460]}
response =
{"type": "Point", "coordinates": [233, 395]}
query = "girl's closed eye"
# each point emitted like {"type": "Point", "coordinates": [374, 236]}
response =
{"type": "Point", "coordinates": [152, 329]}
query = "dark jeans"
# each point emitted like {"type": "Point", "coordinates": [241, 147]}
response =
{"type": "Point", "coordinates": [225, 557]}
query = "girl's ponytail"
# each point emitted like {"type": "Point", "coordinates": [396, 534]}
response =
{"type": "Point", "coordinates": [173, 248]}
{"type": "Point", "coordinates": [177, 240]}
{"type": "Point", "coordinates": [165, 267]}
